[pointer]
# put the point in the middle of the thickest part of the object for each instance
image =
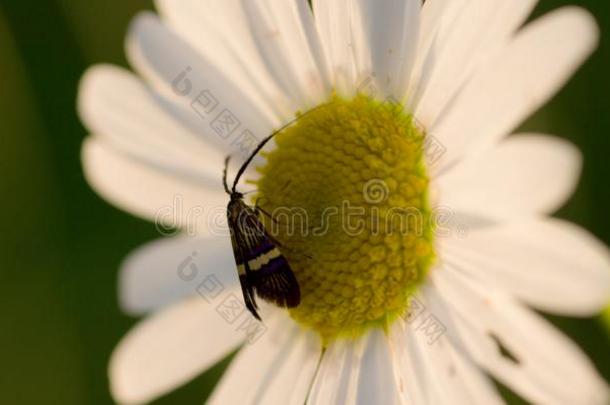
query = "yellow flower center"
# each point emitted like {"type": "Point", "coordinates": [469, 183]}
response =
{"type": "Point", "coordinates": [347, 188]}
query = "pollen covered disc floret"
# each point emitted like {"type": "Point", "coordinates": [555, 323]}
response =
{"type": "Point", "coordinates": [347, 189]}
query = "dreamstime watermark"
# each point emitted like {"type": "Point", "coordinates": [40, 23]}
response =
{"type": "Point", "coordinates": [353, 219]}
{"type": "Point", "coordinates": [373, 216]}
{"type": "Point", "coordinates": [231, 308]}
{"type": "Point", "coordinates": [227, 304]}
{"type": "Point", "coordinates": [375, 191]}
{"type": "Point", "coordinates": [424, 321]}
{"type": "Point", "coordinates": [230, 128]}
{"type": "Point", "coordinates": [432, 148]}
{"type": "Point", "coordinates": [221, 120]}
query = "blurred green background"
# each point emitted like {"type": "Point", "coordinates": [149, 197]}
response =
{"type": "Point", "coordinates": [61, 245]}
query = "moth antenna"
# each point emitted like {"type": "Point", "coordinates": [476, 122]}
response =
{"type": "Point", "coordinates": [286, 185]}
{"type": "Point", "coordinates": [261, 145]}
{"type": "Point", "coordinates": [224, 174]}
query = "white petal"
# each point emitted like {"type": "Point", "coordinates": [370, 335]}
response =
{"type": "Point", "coordinates": [285, 34]}
{"type": "Point", "coordinates": [408, 365]}
{"type": "Point", "coordinates": [169, 349]}
{"type": "Point", "coordinates": [542, 359]}
{"type": "Point", "coordinates": [462, 35]}
{"type": "Point", "coordinates": [391, 30]}
{"type": "Point", "coordinates": [359, 371]}
{"type": "Point", "coordinates": [523, 176]}
{"type": "Point", "coordinates": [115, 104]}
{"type": "Point", "coordinates": [466, 379]}
{"type": "Point", "coordinates": [431, 369]}
{"type": "Point", "coordinates": [276, 369]}
{"type": "Point", "coordinates": [450, 377]}
{"type": "Point", "coordinates": [515, 82]}
{"type": "Point", "coordinates": [337, 379]}
{"type": "Point", "coordinates": [165, 58]}
{"type": "Point", "coordinates": [436, 18]}
{"type": "Point", "coordinates": [335, 20]}
{"type": "Point", "coordinates": [162, 272]}
{"type": "Point", "coordinates": [377, 382]}
{"type": "Point", "coordinates": [153, 191]}
{"type": "Point", "coordinates": [551, 264]}
{"type": "Point", "coordinates": [219, 32]}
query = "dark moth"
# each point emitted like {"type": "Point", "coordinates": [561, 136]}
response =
{"type": "Point", "coordinates": [262, 268]}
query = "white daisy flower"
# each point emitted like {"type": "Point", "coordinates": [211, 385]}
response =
{"type": "Point", "coordinates": [418, 102]}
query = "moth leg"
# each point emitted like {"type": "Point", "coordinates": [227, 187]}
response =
{"type": "Point", "coordinates": [286, 186]}
{"type": "Point", "coordinates": [287, 248]}
{"type": "Point", "coordinates": [258, 209]}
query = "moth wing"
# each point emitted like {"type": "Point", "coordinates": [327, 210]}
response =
{"type": "Point", "coordinates": [243, 270]}
{"type": "Point", "coordinates": [275, 282]}
{"type": "Point", "coordinates": [267, 269]}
